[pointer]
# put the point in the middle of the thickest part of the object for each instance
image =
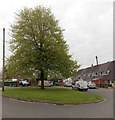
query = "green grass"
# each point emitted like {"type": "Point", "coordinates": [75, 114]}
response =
{"type": "Point", "coordinates": [51, 94]}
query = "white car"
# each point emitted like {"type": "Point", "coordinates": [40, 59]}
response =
{"type": "Point", "coordinates": [80, 85]}
{"type": "Point", "coordinates": [68, 84]}
{"type": "Point", "coordinates": [46, 84]}
{"type": "Point", "coordinates": [23, 83]}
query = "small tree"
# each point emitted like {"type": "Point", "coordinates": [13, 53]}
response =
{"type": "Point", "coordinates": [38, 45]}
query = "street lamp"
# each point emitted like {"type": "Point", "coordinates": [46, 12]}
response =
{"type": "Point", "coordinates": [3, 70]}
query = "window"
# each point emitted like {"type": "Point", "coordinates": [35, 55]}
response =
{"type": "Point", "coordinates": [105, 72]}
{"type": "Point", "coordinates": [101, 73]}
{"type": "Point", "coordinates": [95, 74]}
{"type": "Point", "coordinates": [108, 72]}
{"type": "Point", "coordinates": [89, 74]}
{"type": "Point", "coordinates": [84, 74]}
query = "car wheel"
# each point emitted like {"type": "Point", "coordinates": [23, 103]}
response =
{"type": "Point", "coordinates": [86, 89]}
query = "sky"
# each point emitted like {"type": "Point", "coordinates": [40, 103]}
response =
{"type": "Point", "coordinates": [88, 26]}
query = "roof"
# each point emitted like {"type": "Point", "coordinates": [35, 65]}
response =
{"type": "Point", "coordinates": [21, 77]}
{"type": "Point", "coordinates": [101, 71]}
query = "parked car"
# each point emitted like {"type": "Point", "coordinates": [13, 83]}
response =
{"type": "Point", "coordinates": [46, 84]}
{"type": "Point", "coordinates": [23, 83]}
{"type": "Point", "coordinates": [51, 82]}
{"type": "Point", "coordinates": [80, 85]}
{"type": "Point", "coordinates": [68, 84]}
{"type": "Point", "coordinates": [91, 85]}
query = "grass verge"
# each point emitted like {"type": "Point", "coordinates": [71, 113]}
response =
{"type": "Point", "coordinates": [52, 94]}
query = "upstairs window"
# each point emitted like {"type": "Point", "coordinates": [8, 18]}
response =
{"type": "Point", "coordinates": [105, 72]}
{"type": "Point", "coordinates": [94, 74]}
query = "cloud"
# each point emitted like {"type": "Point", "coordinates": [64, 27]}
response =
{"type": "Point", "coordinates": [88, 25]}
{"type": "Point", "coordinates": [90, 31]}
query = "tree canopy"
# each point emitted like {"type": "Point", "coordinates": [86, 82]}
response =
{"type": "Point", "coordinates": [38, 45]}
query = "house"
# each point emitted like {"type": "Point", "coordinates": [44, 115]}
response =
{"type": "Point", "coordinates": [101, 74]}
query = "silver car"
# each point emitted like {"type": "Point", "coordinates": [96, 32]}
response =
{"type": "Point", "coordinates": [46, 84]}
{"type": "Point", "coordinates": [91, 85]}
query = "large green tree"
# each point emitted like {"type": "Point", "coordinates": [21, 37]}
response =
{"type": "Point", "coordinates": [38, 45]}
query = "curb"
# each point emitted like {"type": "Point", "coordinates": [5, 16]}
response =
{"type": "Point", "coordinates": [56, 103]}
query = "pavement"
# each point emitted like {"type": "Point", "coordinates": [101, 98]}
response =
{"type": "Point", "coordinates": [20, 109]}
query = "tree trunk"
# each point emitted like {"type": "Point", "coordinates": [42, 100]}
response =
{"type": "Point", "coordinates": [42, 79]}
{"type": "Point", "coordinates": [37, 81]}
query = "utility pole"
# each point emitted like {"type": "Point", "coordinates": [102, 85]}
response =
{"type": "Point", "coordinates": [97, 60]}
{"type": "Point", "coordinates": [3, 70]}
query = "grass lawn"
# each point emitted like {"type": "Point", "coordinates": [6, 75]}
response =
{"type": "Point", "coordinates": [52, 94]}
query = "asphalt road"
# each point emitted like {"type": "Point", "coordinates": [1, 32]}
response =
{"type": "Point", "coordinates": [17, 109]}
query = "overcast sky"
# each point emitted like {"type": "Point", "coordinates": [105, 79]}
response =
{"type": "Point", "coordinates": [88, 26]}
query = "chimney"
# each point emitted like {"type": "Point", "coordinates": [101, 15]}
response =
{"type": "Point", "coordinates": [97, 60]}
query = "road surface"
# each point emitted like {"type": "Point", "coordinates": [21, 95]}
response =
{"type": "Point", "coordinates": [18, 109]}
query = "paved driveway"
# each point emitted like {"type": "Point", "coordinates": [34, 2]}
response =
{"type": "Point", "coordinates": [17, 109]}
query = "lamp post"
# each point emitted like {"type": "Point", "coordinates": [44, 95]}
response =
{"type": "Point", "coordinates": [3, 70]}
